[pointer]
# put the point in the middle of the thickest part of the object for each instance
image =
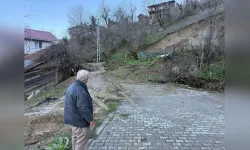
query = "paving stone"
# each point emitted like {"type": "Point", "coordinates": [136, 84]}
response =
{"type": "Point", "coordinates": [112, 148]}
{"type": "Point", "coordinates": [185, 120]}
{"type": "Point", "coordinates": [103, 148]}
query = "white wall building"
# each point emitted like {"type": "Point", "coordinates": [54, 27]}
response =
{"type": "Point", "coordinates": [35, 40]}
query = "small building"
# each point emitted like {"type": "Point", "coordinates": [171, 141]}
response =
{"type": "Point", "coordinates": [143, 19]}
{"type": "Point", "coordinates": [80, 30]}
{"type": "Point", "coordinates": [159, 9]}
{"type": "Point", "coordinates": [36, 40]}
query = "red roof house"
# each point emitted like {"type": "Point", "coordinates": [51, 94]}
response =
{"type": "Point", "coordinates": [35, 40]}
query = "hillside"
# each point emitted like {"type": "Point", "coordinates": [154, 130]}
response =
{"type": "Point", "coordinates": [198, 54]}
{"type": "Point", "coordinates": [198, 20]}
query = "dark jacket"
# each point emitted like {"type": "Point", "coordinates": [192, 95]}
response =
{"type": "Point", "coordinates": [78, 108]}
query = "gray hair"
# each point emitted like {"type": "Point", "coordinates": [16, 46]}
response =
{"type": "Point", "coordinates": [82, 75]}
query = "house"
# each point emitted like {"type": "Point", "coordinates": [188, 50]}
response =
{"type": "Point", "coordinates": [143, 19]}
{"type": "Point", "coordinates": [30, 60]}
{"type": "Point", "coordinates": [159, 9]}
{"type": "Point", "coordinates": [80, 30]}
{"type": "Point", "coordinates": [188, 1]}
{"type": "Point", "coordinates": [39, 73]}
{"type": "Point", "coordinates": [36, 40]}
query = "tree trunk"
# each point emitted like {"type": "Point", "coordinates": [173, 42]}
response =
{"type": "Point", "coordinates": [134, 54]}
{"type": "Point", "coordinates": [105, 57]}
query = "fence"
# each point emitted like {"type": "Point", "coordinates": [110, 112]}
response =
{"type": "Point", "coordinates": [40, 77]}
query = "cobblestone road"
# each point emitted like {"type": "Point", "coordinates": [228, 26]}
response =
{"type": "Point", "coordinates": [165, 118]}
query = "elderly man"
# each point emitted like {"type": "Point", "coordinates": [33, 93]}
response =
{"type": "Point", "coordinates": [78, 111]}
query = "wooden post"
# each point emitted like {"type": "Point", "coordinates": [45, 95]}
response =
{"type": "Point", "coordinates": [202, 49]}
{"type": "Point", "coordinates": [43, 79]}
{"type": "Point", "coordinates": [126, 55]}
{"type": "Point", "coordinates": [165, 51]}
{"type": "Point", "coordinates": [57, 74]}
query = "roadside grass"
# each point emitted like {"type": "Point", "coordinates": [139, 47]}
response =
{"type": "Point", "coordinates": [215, 71]}
{"type": "Point", "coordinates": [64, 141]}
{"type": "Point", "coordinates": [93, 134]}
{"type": "Point", "coordinates": [60, 142]}
{"type": "Point", "coordinates": [124, 115]}
{"type": "Point", "coordinates": [112, 106]}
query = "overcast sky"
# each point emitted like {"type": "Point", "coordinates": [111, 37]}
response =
{"type": "Point", "coordinates": [50, 15]}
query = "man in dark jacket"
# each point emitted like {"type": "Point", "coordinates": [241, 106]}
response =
{"type": "Point", "coordinates": [78, 111]}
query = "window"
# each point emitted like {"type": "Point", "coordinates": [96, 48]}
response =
{"type": "Point", "coordinates": [38, 45]}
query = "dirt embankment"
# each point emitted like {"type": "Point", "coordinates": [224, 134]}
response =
{"type": "Point", "coordinates": [45, 121]}
{"type": "Point", "coordinates": [192, 34]}
{"type": "Point", "coordinates": [185, 67]}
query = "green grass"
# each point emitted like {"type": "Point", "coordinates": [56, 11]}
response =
{"type": "Point", "coordinates": [156, 76]}
{"type": "Point", "coordinates": [131, 62]}
{"type": "Point", "coordinates": [124, 115]}
{"type": "Point", "coordinates": [150, 39]}
{"type": "Point", "coordinates": [64, 141]}
{"type": "Point", "coordinates": [93, 134]}
{"type": "Point", "coordinates": [118, 56]}
{"type": "Point", "coordinates": [112, 106]}
{"type": "Point", "coordinates": [98, 122]}
{"type": "Point", "coordinates": [111, 118]}
{"type": "Point", "coordinates": [60, 143]}
{"type": "Point", "coordinates": [216, 71]}
{"type": "Point", "coordinates": [56, 91]}
{"type": "Point", "coordinates": [134, 69]}
{"type": "Point", "coordinates": [141, 62]}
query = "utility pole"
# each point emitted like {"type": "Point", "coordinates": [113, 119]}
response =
{"type": "Point", "coordinates": [98, 43]}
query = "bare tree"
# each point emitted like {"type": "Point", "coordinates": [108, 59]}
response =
{"type": "Point", "coordinates": [105, 14]}
{"type": "Point", "coordinates": [132, 11]}
{"type": "Point", "coordinates": [93, 24]}
{"type": "Point", "coordinates": [211, 51]}
{"type": "Point", "coordinates": [130, 34]}
{"type": "Point", "coordinates": [75, 15]}
{"type": "Point", "coordinates": [210, 4]}
{"type": "Point", "coordinates": [82, 49]}
{"type": "Point", "coordinates": [120, 15]}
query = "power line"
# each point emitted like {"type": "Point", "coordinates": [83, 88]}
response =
{"type": "Point", "coordinates": [122, 2]}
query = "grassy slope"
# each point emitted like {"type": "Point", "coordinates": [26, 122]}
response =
{"type": "Point", "coordinates": [157, 70]}
{"type": "Point", "coordinates": [56, 91]}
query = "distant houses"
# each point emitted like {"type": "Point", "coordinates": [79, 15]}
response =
{"type": "Point", "coordinates": [81, 30]}
{"type": "Point", "coordinates": [36, 40]}
{"type": "Point", "coordinates": [143, 19]}
{"type": "Point", "coordinates": [156, 10]}
{"type": "Point", "coordinates": [159, 9]}
{"type": "Point", "coordinates": [38, 73]}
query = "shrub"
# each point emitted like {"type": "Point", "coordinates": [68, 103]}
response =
{"type": "Point", "coordinates": [215, 71]}
{"type": "Point", "coordinates": [59, 143]}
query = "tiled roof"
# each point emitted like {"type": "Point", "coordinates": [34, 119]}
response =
{"type": "Point", "coordinates": [39, 35]}
{"type": "Point", "coordinates": [161, 4]}
{"type": "Point", "coordinates": [33, 56]}
{"type": "Point", "coordinates": [30, 66]}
